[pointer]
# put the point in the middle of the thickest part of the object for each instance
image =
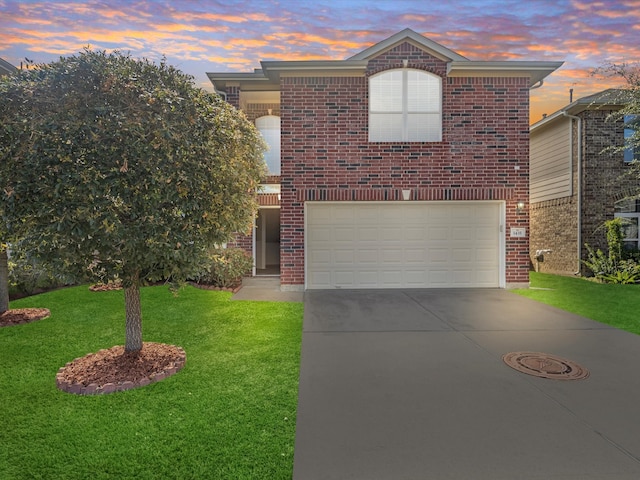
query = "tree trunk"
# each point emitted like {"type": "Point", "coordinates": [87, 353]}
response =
{"type": "Point", "coordinates": [133, 319]}
{"type": "Point", "coordinates": [4, 280]}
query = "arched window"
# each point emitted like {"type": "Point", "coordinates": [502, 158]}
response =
{"type": "Point", "coordinates": [269, 127]}
{"type": "Point", "coordinates": [405, 105]}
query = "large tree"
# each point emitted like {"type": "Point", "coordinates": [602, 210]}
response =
{"type": "Point", "coordinates": [119, 168]}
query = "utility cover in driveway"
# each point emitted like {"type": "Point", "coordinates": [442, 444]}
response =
{"type": "Point", "coordinates": [403, 244]}
{"type": "Point", "coordinates": [545, 365]}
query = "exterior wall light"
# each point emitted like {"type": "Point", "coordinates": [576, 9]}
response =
{"type": "Point", "coordinates": [520, 207]}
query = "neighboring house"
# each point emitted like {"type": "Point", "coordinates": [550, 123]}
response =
{"type": "Point", "coordinates": [576, 186]}
{"type": "Point", "coordinates": [6, 68]}
{"type": "Point", "coordinates": [406, 165]}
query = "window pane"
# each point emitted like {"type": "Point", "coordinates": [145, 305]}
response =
{"type": "Point", "coordinates": [630, 228]}
{"type": "Point", "coordinates": [424, 127]}
{"type": "Point", "coordinates": [269, 127]}
{"type": "Point", "coordinates": [631, 123]}
{"type": "Point", "coordinates": [385, 127]}
{"type": "Point", "coordinates": [385, 92]}
{"type": "Point", "coordinates": [423, 92]}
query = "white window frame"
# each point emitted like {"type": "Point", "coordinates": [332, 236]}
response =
{"type": "Point", "coordinates": [433, 110]}
{"type": "Point", "coordinates": [269, 128]}
{"type": "Point", "coordinates": [629, 241]}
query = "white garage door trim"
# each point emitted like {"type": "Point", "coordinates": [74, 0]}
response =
{"type": "Point", "coordinates": [406, 225]}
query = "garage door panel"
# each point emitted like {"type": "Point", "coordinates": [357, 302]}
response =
{"type": "Point", "coordinates": [391, 245]}
{"type": "Point", "coordinates": [367, 278]}
{"type": "Point", "coordinates": [437, 233]}
{"type": "Point", "coordinates": [461, 255]}
{"type": "Point", "coordinates": [414, 234]}
{"type": "Point", "coordinates": [343, 234]}
{"type": "Point", "coordinates": [392, 256]}
{"type": "Point", "coordinates": [416, 256]}
{"type": "Point", "coordinates": [367, 256]}
{"type": "Point", "coordinates": [438, 255]}
{"type": "Point", "coordinates": [344, 256]}
{"type": "Point", "coordinates": [319, 257]}
{"type": "Point", "coordinates": [344, 278]}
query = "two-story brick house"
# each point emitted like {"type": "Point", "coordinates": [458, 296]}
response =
{"type": "Point", "coordinates": [577, 185]}
{"type": "Point", "coordinates": [406, 165]}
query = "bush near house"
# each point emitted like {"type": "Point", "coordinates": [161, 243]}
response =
{"type": "Point", "coordinates": [225, 267]}
{"type": "Point", "coordinates": [616, 266]}
{"type": "Point", "coordinates": [27, 276]}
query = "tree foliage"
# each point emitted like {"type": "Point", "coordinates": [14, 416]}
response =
{"type": "Point", "coordinates": [628, 96]}
{"type": "Point", "coordinates": [112, 167]}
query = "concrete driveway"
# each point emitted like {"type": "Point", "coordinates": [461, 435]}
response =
{"type": "Point", "coordinates": [410, 384]}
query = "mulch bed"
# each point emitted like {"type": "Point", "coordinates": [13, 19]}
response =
{"type": "Point", "coordinates": [19, 316]}
{"type": "Point", "coordinates": [114, 370]}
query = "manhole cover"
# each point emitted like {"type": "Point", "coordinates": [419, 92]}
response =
{"type": "Point", "coordinates": [545, 365]}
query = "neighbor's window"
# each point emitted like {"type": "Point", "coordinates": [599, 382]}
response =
{"type": "Point", "coordinates": [269, 127]}
{"type": "Point", "coordinates": [629, 210]}
{"type": "Point", "coordinates": [631, 124]}
{"type": "Point", "coordinates": [405, 105]}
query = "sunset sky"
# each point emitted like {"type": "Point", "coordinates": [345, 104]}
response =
{"type": "Point", "coordinates": [234, 35]}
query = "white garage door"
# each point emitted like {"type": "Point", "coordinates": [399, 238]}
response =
{"type": "Point", "coordinates": [403, 245]}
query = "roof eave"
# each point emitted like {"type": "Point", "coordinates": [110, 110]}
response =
{"type": "Point", "coordinates": [275, 69]}
{"type": "Point", "coordinates": [536, 71]}
{"type": "Point", "coordinates": [255, 80]}
{"type": "Point", "coordinates": [6, 68]}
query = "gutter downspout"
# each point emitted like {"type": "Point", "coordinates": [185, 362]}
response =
{"type": "Point", "coordinates": [578, 182]}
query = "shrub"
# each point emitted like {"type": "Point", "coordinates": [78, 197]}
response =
{"type": "Point", "coordinates": [225, 267]}
{"type": "Point", "coordinates": [627, 271]}
{"type": "Point", "coordinates": [28, 276]}
{"type": "Point", "coordinates": [613, 267]}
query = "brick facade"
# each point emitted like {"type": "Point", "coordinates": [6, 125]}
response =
{"type": "Point", "coordinates": [326, 154]}
{"type": "Point", "coordinates": [555, 222]}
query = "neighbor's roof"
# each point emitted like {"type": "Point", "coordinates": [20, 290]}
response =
{"type": "Point", "coordinates": [6, 68]}
{"type": "Point", "coordinates": [612, 97]}
{"type": "Point", "coordinates": [268, 77]}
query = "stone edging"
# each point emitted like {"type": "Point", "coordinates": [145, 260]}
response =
{"type": "Point", "coordinates": [95, 389]}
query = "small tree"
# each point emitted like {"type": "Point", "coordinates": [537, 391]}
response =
{"type": "Point", "coordinates": [4, 278]}
{"type": "Point", "coordinates": [628, 96]}
{"type": "Point", "coordinates": [122, 169]}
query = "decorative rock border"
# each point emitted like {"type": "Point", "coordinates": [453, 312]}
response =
{"type": "Point", "coordinates": [98, 389]}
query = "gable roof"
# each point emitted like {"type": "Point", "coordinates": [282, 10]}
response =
{"type": "Point", "coordinates": [408, 35]}
{"type": "Point", "coordinates": [268, 77]}
{"type": "Point", "coordinates": [6, 68]}
{"type": "Point", "coordinates": [611, 98]}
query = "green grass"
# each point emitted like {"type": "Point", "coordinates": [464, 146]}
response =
{"type": "Point", "coordinates": [229, 414]}
{"type": "Point", "coordinates": [615, 305]}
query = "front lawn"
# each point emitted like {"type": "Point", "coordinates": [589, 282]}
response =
{"type": "Point", "coordinates": [229, 414]}
{"type": "Point", "coordinates": [615, 305]}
